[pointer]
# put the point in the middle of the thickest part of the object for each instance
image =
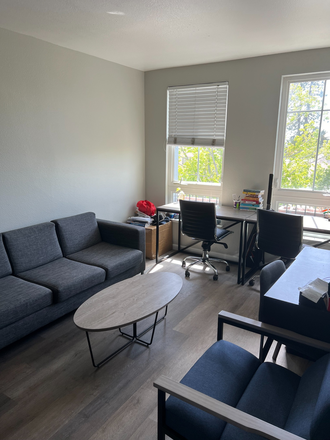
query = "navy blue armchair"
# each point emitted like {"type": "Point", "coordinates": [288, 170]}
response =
{"type": "Point", "coordinates": [230, 394]}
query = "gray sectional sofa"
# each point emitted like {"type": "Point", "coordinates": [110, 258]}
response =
{"type": "Point", "coordinates": [49, 269]}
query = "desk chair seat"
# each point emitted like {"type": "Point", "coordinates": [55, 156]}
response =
{"type": "Point", "coordinates": [200, 223]}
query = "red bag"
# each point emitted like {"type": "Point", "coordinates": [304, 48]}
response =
{"type": "Point", "coordinates": [146, 207]}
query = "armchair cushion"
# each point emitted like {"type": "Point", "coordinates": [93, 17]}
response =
{"type": "Point", "coordinates": [109, 257]}
{"type": "Point", "coordinates": [311, 407]}
{"type": "Point", "coordinates": [223, 373]}
{"type": "Point", "coordinates": [65, 277]}
{"type": "Point", "coordinates": [269, 396]}
{"type": "Point", "coordinates": [77, 232]}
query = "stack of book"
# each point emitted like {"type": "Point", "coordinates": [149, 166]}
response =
{"type": "Point", "coordinates": [252, 199]}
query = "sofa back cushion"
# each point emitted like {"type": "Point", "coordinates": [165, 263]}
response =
{"type": "Point", "coordinates": [5, 268]}
{"type": "Point", "coordinates": [309, 416]}
{"type": "Point", "coordinates": [32, 246]}
{"type": "Point", "coordinates": [77, 232]}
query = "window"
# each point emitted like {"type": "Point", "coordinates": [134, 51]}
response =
{"type": "Point", "coordinates": [196, 131]}
{"type": "Point", "coordinates": [302, 161]}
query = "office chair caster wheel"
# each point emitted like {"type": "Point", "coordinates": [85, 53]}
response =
{"type": "Point", "coordinates": [227, 268]}
{"type": "Point", "coordinates": [215, 277]}
{"type": "Point", "coordinates": [187, 274]}
{"type": "Point", "coordinates": [251, 282]}
{"type": "Point", "coordinates": [183, 264]}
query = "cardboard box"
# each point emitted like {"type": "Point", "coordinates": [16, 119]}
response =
{"type": "Point", "coordinates": [165, 240]}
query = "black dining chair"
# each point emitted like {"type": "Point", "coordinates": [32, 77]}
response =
{"type": "Point", "coordinates": [198, 221]}
{"type": "Point", "coordinates": [279, 234]}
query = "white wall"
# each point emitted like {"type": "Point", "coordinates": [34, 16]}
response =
{"type": "Point", "coordinates": [254, 91]}
{"type": "Point", "coordinates": [71, 134]}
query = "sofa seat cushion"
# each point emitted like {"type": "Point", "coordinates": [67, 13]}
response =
{"type": "Point", "coordinates": [269, 396]}
{"type": "Point", "coordinates": [310, 412]}
{"type": "Point", "coordinates": [77, 232]}
{"type": "Point", "coordinates": [65, 277]}
{"type": "Point", "coordinates": [19, 298]}
{"type": "Point", "coordinates": [223, 372]}
{"type": "Point", "coordinates": [112, 258]}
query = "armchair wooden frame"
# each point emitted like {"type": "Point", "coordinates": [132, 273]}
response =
{"type": "Point", "coordinates": [219, 409]}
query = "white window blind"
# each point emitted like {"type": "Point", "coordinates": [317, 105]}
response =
{"type": "Point", "coordinates": [197, 115]}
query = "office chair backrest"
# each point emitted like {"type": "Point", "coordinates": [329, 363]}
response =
{"type": "Point", "coordinates": [268, 276]}
{"type": "Point", "coordinates": [198, 220]}
{"type": "Point", "coordinates": [279, 234]}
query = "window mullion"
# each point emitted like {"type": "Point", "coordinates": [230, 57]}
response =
{"type": "Point", "coordinates": [319, 135]}
{"type": "Point", "coordinates": [198, 180]}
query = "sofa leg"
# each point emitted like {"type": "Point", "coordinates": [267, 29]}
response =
{"type": "Point", "coordinates": [161, 415]}
{"type": "Point", "coordinates": [142, 272]}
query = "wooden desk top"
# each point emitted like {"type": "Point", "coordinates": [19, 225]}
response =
{"type": "Point", "coordinates": [316, 224]}
{"type": "Point", "coordinates": [222, 212]}
{"type": "Point", "coordinates": [311, 263]}
{"type": "Point", "coordinates": [127, 302]}
{"type": "Point", "coordinates": [311, 223]}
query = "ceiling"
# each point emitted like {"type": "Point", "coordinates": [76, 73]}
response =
{"type": "Point", "coordinates": [155, 34]}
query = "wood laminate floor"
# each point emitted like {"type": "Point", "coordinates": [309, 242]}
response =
{"type": "Point", "coordinates": [49, 389]}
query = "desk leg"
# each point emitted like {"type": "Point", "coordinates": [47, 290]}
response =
{"type": "Point", "coordinates": [179, 233]}
{"type": "Point", "coordinates": [244, 252]}
{"type": "Point", "coordinates": [239, 270]}
{"type": "Point", "coordinates": [157, 236]}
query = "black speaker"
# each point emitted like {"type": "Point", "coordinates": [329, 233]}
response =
{"type": "Point", "coordinates": [269, 192]}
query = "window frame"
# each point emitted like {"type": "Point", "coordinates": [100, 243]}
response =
{"type": "Point", "coordinates": [286, 195]}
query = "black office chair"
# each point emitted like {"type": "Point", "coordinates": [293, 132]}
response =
{"type": "Point", "coordinates": [268, 276]}
{"type": "Point", "coordinates": [200, 223]}
{"type": "Point", "coordinates": [279, 234]}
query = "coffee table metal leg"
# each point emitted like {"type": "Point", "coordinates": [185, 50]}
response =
{"type": "Point", "coordinates": [132, 338]}
{"type": "Point", "coordinates": [153, 326]}
{"type": "Point", "coordinates": [136, 337]}
{"type": "Point", "coordinates": [112, 355]}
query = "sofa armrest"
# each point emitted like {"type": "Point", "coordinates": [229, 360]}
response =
{"type": "Point", "coordinates": [271, 331]}
{"type": "Point", "coordinates": [123, 234]}
{"type": "Point", "coordinates": [216, 408]}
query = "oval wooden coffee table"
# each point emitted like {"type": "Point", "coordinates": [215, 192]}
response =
{"type": "Point", "coordinates": [127, 303]}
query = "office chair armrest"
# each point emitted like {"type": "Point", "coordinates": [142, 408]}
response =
{"type": "Point", "coordinates": [218, 409]}
{"type": "Point", "coordinates": [271, 331]}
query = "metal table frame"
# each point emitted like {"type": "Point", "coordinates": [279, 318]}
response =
{"type": "Point", "coordinates": [223, 213]}
{"type": "Point", "coordinates": [135, 337]}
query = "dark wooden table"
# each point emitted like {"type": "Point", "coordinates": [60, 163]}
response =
{"type": "Point", "coordinates": [281, 303]}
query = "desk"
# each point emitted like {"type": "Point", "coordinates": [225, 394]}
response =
{"type": "Point", "coordinates": [222, 212]}
{"type": "Point", "coordinates": [310, 224]}
{"type": "Point", "coordinates": [281, 302]}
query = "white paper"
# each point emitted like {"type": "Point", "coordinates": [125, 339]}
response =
{"type": "Point", "coordinates": [314, 290]}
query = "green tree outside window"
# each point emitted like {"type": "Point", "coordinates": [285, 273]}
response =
{"type": "Point", "coordinates": [306, 159]}
{"type": "Point", "coordinates": [200, 164]}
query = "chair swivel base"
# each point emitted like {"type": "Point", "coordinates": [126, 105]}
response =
{"type": "Point", "coordinates": [206, 260]}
